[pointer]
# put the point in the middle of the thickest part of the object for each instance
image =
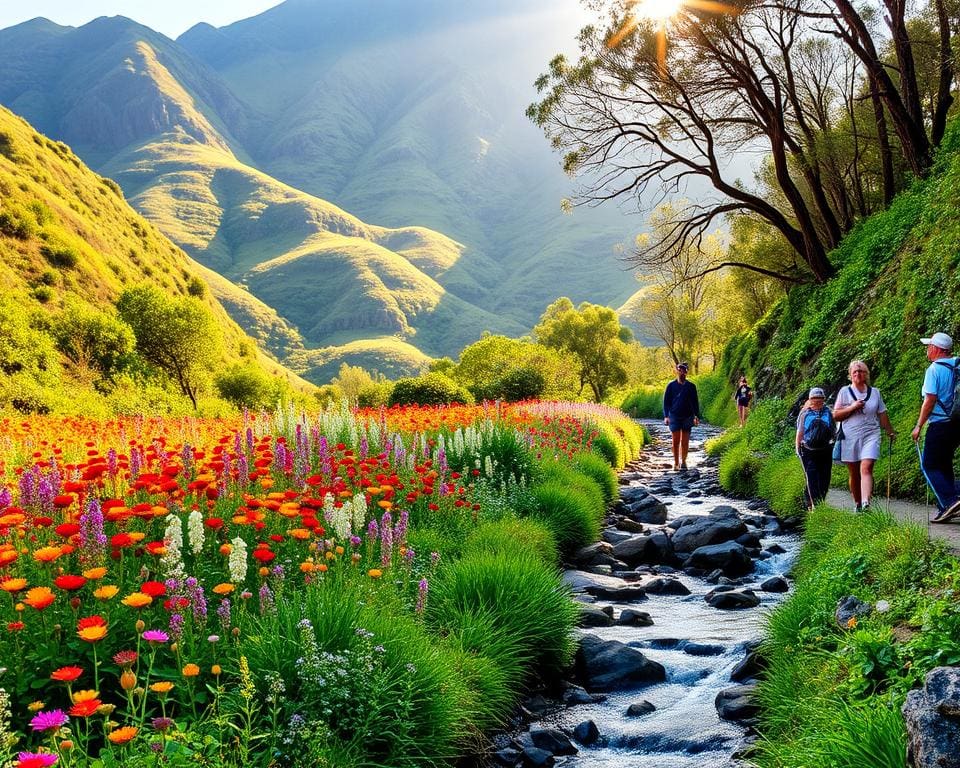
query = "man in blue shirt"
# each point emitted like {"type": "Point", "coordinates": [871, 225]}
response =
{"type": "Point", "coordinates": [681, 412]}
{"type": "Point", "coordinates": [943, 434]}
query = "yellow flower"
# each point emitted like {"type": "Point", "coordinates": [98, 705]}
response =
{"type": "Point", "coordinates": [95, 573]}
{"type": "Point", "coordinates": [190, 670]}
{"type": "Point", "coordinates": [224, 588]}
{"type": "Point", "coordinates": [35, 706]}
{"type": "Point", "coordinates": [161, 686]}
{"type": "Point", "coordinates": [13, 585]}
{"type": "Point", "coordinates": [47, 554]}
{"type": "Point", "coordinates": [85, 695]}
{"type": "Point", "coordinates": [137, 600]}
{"type": "Point", "coordinates": [215, 670]}
{"type": "Point", "coordinates": [92, 634]}
{"type": "Point", "coordinates": [106, 592]}
{"type": "Point", "coordinates": [374, 573]}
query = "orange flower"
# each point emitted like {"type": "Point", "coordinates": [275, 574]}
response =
{"type": "Point", "coordinates": [215, 670]}
{"type": "Point", "coordinates": [122, 735]}
{"type": "Point", "coordinates": [190, 670]}
{"type": "Point", "coordinates": [224, 588]}
{"type": "Point", "coordinates": [95, 573]}
{"type": "Point", "coordinates": [85, 695]}
{"type": "Point", "coordinates": [92, 628]}
{"type": "Point", "coordinates": [374, 573]}
{"type": "Point", "coordinates": [47, 554]}
{"type": "Point", "coordinates": [39, 597]}
{"type": "Point", "coordinates": [128, 680]}
{"type": "Point", "coordinates": [13, 585]}
{"type": "Point", "coordinates": [161, 686]}
{"type": "Point", "coordinates": [66, 674]}
{"type": "Point", "coordinates": [85, 708]}
{"type": "Point", "coordinates": [106, 592]}
{"type": "Point", "coordinates": [137, 600]}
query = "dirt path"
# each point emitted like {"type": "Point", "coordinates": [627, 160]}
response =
{"type": "Point", "coordinates": [908, 511]}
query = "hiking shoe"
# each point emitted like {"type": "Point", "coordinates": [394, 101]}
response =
{"type": "Point", "coordinates": [857, 509]}
{"type": "Point", "coordinates": [946, 515]}
{"type": "Point", "coordinates": [865, 507]}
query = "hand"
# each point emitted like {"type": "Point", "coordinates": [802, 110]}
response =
{"type": "Point", "coordinates": [861, 404]}
{"type": "Point", "coordinates": [696, 421]}
{"type": "Point", "coordinates": [915, 434]}
{"type": "Point", "coordinates": [667, 421]}
{"type": "Point", "coordinates": [892, 435]}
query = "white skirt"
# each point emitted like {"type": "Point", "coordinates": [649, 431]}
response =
{"type": "Point", "coordinates": [863, 445]}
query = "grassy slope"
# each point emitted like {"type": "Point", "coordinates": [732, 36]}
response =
{"type": "Point", "coordinates": [65, 204]}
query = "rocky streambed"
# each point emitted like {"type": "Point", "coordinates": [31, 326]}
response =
{"type": "Point", "coordinates": [673, 599]}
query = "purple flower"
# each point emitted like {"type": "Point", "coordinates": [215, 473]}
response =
{"type": "Point", "coordinates": [162, 724]}
{"type": "Point", "coordinates": [49, 721]}
{"type": "Point", "coordinates": [224, 613]}
{"type": "Point", "coordinates": [422, 589]}
{"type": "Point", "coordinates": [373, 530]}
{"type": "Point", "coordinates": [266, 599]}
{"type": "Point", "coordinates": [38, 758]}
{"type": "Point", "coordinates": [5, 498]}
{"type": "Point", "coordinates": [156, 636]}
{"type": "Point", "coordinates": [434, 558]}
{"type": "Point", "coordinates": [93, 540]}
{"type": "Point", "coordinates": [176, 625]}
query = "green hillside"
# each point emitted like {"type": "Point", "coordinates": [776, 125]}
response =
{"type": "Point", "coordinates": [69, 240]}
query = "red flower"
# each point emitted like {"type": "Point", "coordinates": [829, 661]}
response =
{"type": "Point", "coordinates": [67, 529]}
{"type": "Point", "coordinates": [153, 588]}
{"type": "Point", "coordinates": [214, 523]}
{"type": "Point", "coordinates": [119, 540]}
{"type": "Point", "coordinates": [15, 626]}
{"type": "Point", "coordinates": [66, 674]}
{"type": "Point", "coordinates": [263, 555]}
{"type": "Point", "coordinates": [69, 582]}
{"type": "Point", "coordinates": [85, 708]}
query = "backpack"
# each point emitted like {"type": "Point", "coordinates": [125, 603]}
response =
{"type": "Point", "coordinates": [818, 429]}
{"type": "Point", "coordinates": [953, 411]}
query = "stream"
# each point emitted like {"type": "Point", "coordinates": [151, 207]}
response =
{"type": "Point", "coordinates": [675, 721]}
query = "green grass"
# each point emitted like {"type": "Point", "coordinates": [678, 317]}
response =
{"type": "Point", "coordinates": [599, 470]}
{"type": "Point", "coordinates": [569, 513]}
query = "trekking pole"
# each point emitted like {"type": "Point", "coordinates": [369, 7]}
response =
{"type": "Point", "coordinates": [889, 461]}
{"type": "Point", "coordinates": [927, 484]}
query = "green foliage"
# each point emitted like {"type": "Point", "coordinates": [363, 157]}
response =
{"type": "Point", "coordinates": [60, 256]}
{"type": "Point", "coordinates": [28, 361]}
{"type": "Point", "coordinates": [645, 402]}
{"type": "Point", "coordinates": [429, 389]}
{"type": "Point", "coordinates": [599, 470]}
{"type": "Point", "coordinates": [525, 383]}
{"type": "Point", "coordinates": [569, 513]}
{"type": "Point", "coordinates": [90, 338]}
{"type": "Point", "coordinates": [500, 368]}
{"type": "Point", "coordinates": [196, 287]}
{"type": "Point", "coordinates": [513, 536]}
{"type": "Point", "coordinates": [249, 386]}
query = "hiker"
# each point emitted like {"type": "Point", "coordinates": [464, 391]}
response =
{"type": "Point", "coordinates": [814, 443]}
{"type": "Point", "coordinates": [743, 395]}
{"type": "Point", "coordinates": [681, 412]}
{"type": "Point", "coordinates": [943, 432]}
{"type": "Point", "coordinates": [861, 412]}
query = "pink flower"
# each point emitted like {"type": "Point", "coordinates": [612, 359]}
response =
{"type": "Point", "coordinates": [35, 760]}
{"type": "Point", "coordinates": [156, 636]}
{"type": "Point", "coordinates": [49, 721]}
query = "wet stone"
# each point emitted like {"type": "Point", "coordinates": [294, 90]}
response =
{"type": "Point", "coordinates": [631, 618]}
{"type": "Point", "coordinates": [849, 608]}
{"type": "Point", "coordinates": [733, 600]}
{"type": "Point", "coordinates": [737, 703]}
{"type": "Point", "coordinates": [640, 708]}
{"type": "Point", "coordinates": [592, 616]}
{"type": "Point", "coordinates": [586, 732]}
{"type": "Point", "coordinates": [575, 695]}
{"type": "Point", "coordinates": [703, 649]}
{"type": "Point", "coordinates": [775, 584]}
{"type": "Point", "coordinates": [537, 758]}
{"type": "Point", "coordinates": [552, 740]}
{"type": "Point", "coordinates": [507, 757]}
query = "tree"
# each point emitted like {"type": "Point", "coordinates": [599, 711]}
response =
{"type": "Point", "coordinates": [352, 380]}
{"type": "Point", "coordinates": [593, 336]}
{"type": "Point", "coordinates": [176, 334]}
{"type": "Point", "coordinates": [249, 386]}
{"type": "Point", "coordinates": [91, 339]}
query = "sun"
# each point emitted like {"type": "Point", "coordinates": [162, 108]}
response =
{"type": "Point", "coordinates": [658, 10]}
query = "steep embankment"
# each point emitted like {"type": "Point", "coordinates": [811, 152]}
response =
{"type": "Point", "coordinates": [69, 239]}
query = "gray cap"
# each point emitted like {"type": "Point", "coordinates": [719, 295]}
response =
{"type": "Point", "coordinates": [816, 392]}
{"type": "Point", "coordinates": [940, 340]}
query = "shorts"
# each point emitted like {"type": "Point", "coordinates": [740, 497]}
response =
{"type": "Point", "coordinates": [860, 446]}
{"type": "Point", "coordinates": [743, 401]}
{"type": "Point", "coordinates": [681, 424]}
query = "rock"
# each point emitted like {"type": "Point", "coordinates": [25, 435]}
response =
{"type": "Point", "coordinates": [850, 608]}
{"type": "Point", "coordinates": [932, 717]}
{"type": "Point", "coordinates": [538, 758]}
{"type": "Point", "coordinates": [630, 526]}
{"type": "Point", "coordinates": [737, 703]}
{"type": "Point", "coordinates": [586, 732]}
{"type": "Point", "coordinates": [678, 522]}
{"type": "Point", "coordinates": [624, 594]}
{"type": "Point", "coordinates": [592, 616]}
{"type": "Point", "coordinates": [706, 531]}
{"type": "Point", "coordinates": [598, 553]}
{"type": "Point", "coordinates": [694, 494]}
{"type": "Point", "coordinates": [607, 664]}
{"type": "Point", "coordinates": [751, 666]}
{"type": "Point", "coordinates": [775, 584]}
{"type": "Point", "coordinates": [662, 585]}
{"type": "Point", "coordinates": [662, 548]}
{"type": "Point", "coordinates": [775, 549]}
{"type": "Point", "coordinates": [508, 757]}
{"type": "Point", "coordinates": [633, 493]}
{"type": "Point", "coordinates": [614, 536]}
{"type": "Point", "coordinates": [639, 709]}
{"type": "Point", "coordinates": [635, 550]}
{"type": "Point", "coordinates": [725, 510]}
{"type": "Point", "coordinates": [732, 601]}
{"type": "Point", "coordinates": [552, 740]}
{"type": "Point", "coordinates": [749, 539]}
{"type": "Point", "coordinates": [649, 510]}
{"type": "Point", "coordinates": [729, 556]}
{"type": "Point", "coordinates": [702, 649]}
{"type": "Point", "coordinates": [538, 706]}
{"type": "Point", "coordinates": [631, 618]}
{"type": "Point", "coordinates": [575, 695]}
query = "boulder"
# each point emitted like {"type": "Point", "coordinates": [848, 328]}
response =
{"type": "Point", "coordinates": [630, 526]}
{"type": "Point", "coordinates": [640, 708]}
{"type": "Point", "coordinates": [552, 740]}
{"type": "Point", "coordinates": [706, 531]}
{"type": "Point", "coordinates": [624, 594]}
{"type": "Point", "coordinates": [737, 703]}
{"type": "Point", "coordinates": [614, 536]}
{"type": "Point", "coordinates": [574, 695]}
{"type": "Point", "coordinates": [733, 600]}
{"type": "Point", "coordinates": [775, 584]}
{"type": "Point", "coordinates": [664, 585]}
{"type": "Point", "coordinates": [592, 616]}
{"type": "Point", "coordinates": [635, 550]}
{"type": "Point", "coordinates": [702, 649]}
{"type": "Point", "coordinates": [849, 609]}
{"type": "Point", "coordinates": [751, 666]}
{"type": "Point", "coordinates": [648, 510]}
{"type": "Point", "coordinates": [507, 757]}
{"type": "Point", "coordinates": [534, 757]}
{"type": "Point", "coordinates": [732, 558]}
{"type": "Point", "coordinates": [604, 665]}
{"type": "Point", "coordinates": [633, 493]}
{"type": "Point", "coordinates": [932, 717]}
{"type": "Point", "coordinates": [631, 618]}
{"type": "Point", "coordinates": [586, 732]}
{"type": "Point", "coordinates": [598, 553]}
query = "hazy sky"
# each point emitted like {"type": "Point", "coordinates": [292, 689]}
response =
{"type": "Point", "coordinates": [172, 17]}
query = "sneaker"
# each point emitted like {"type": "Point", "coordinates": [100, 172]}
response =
{"type": "Point", "coordinates": [946, 515]}
{"type": "Point", "coordinates": [865, 507]}
{"type": "Point", "coordinates": [857, 509]}
{"type": "Point", "coordinates": [683, 466]}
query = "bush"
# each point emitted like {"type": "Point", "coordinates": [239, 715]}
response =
{"type": "Point", "coordinates": [60, 256]}
{"type": "Point", "coordinates": [561, 473]}
{"type": "Point", "coordinates": [596, 467]}
{"type": "Point", "coordinates": [569, 513]}
{"type": "Point", "coordinates": [521, 595]}
{"type": "Point", "coordinates": [375, 395]}
{"type": "Point", "coordinates": [196, 287]}
{"type": "Point", "coordinates": [520, 384]}
{"type": "Point", "coordinates": [739, 468]}
{"type": "Point", "coordinates": [645, 402]}
{"type": "Point", "coordinates": [429, 389]}
{"type": "Point", "coordinates": [248, 386]}
{"type": "Point", "coordinates": [512, 536]}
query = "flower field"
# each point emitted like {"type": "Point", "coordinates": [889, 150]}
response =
{"type": "Point", "coordinates": [343, 589]}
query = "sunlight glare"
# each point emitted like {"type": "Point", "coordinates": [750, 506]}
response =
{"type": "Point", "coordinates": [658, 10]}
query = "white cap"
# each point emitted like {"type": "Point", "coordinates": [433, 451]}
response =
{"type": "Point", "coordinates": [816, 392]}
{"type": "Point", "coordinates": [940, 340]}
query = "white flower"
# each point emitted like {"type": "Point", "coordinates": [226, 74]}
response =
{"type": "Point", "coordinates": [195, 531]}
{"type": "Point", "coordinates": [238, 560]}
{"type": "Point", "coordinates": [171, 562]}
{"type": "Point", "coordinates": [359, 511]}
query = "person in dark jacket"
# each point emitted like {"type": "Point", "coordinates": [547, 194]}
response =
{"type": "Point", "coordinates": [681, 412]}
{"type": "Point", "coordinates": [814, 445]}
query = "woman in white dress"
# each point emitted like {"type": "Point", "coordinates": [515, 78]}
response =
{"type": "Point", "coordinates": [861, 410]}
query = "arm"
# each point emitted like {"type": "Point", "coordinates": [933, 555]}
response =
{"type": "Point", "coordinates": [842, 410]}
{"type": "Point", "coordinates": [696, 406]}
{"type": "Point", "coordinates": [886, 425]}
{"type": "Point", "coordinates": [799, 438]}
{"type": "Point", "coordinates": [667, 402]}
{"type": "Point", "coordinates": [929, 402]}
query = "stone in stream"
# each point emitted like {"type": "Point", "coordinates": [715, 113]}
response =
{"type": "Point", "coordinates": [575, 695]}
{"type": "Point", "coordinates": [775, 584]}
{"type": "Point", "coordinates": [662, 585]}
{"type": "Point", "coordinates": [702, 649]}
{"type": "Point", "coordinates": [751, 666]}
{"type": "Point", "coordinates": [732, 600]}
{"type": "Point", "coordinates": [552, 740]}
{"type": "Point", "coordinates": [775, 549]}
{"type": "Point", "coordinates": [633, 493]}
{"type": "Point", "coordinates": [624, 594]}
{"type": "Point", "coordinates": [640, 708]}
{"type": "Point", "coordinates": [507, 756]}
{"type": "Point", "coordinates": [737, 703]}
{"type": "Point", "coordinates": [630, 618]}
{"type": "Point", "coordinates": [705, 531]}
{"type": "Point", "coordinates": [537, 758]}
{"type": "Point", "coordinates": [850, 608]}
{"type": "Point", "coordinates": [750, 540]}
{"type": "Point", "coordinates": [592, 616]}
{"type": "Point", "coordinates": [586, 732]}
{"type": "Point", "coordinates": [648, 510]}
{"type": "Point", "coordinates": [604, 665]}
{"type": "Point", "coordinates": [932, 717]}
{"type": "Point", "coordinates": [614, 536]}
{"type": "Point", "coordinates": [598, 553]}
{"type": "Point", "coordinates": [630, 526]}
{"type": "Point", "coordinates": [732, 558]}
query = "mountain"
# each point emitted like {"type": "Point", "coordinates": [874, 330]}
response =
{"type": "Point", "coordinates": [264, 148]}
{"type": "Point", "coordinates": [68, 239]}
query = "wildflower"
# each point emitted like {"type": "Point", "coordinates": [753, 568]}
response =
{"type": "Point", "coordinates": [39, 597]}
{"type": "Point", "coordinates": [162, 724]}
{"type": "Point", "coordinates": [47, 554]}
{"type": "Point", "coordinates": [215, 670]}
{"type": "Point", "coordinates": [238, 560]}
{"type": "Point", "coordinates": [35, 759]}
{"type": "Point", "coordinates": [125, 659]}
{"type": "Point", "coordinates": [375, 573]}
{"type": "Point", "coordinates": [85, 695]}
{"type": "Point", "coordinates": [162, 687]}
{"type": "Point", "coordinates": [852, 622]}
{"type": "Point", "coordinates": [66, 674]}
{"type": "Point", "coordinates": [122, 735]}
{"type": "Point", "coordinates": [93, 540]}
{"type": "Point", "coordinates": [137, 600]}
{"type": "Point", "coordinates": [422, 589]}
{"type": "Point", "coordinates": [49, 721]}
{"type": "Point", "coordinates": [13, 585]}
{"type": "Point", "coordinates": [156, 636]}
{"type": "Point", "coordinates": [195, 531]}
{"type": "Point", "coordinates": [190, 670]}
{"type": "Point", "coordinates": [153, 588]}
{"type": "Point", "coordinates": [106, 592]}
{"type": "Point", "coordinates": [92, 628]}
{"type": "Point", "coordinates": [85, 708]}
{"type": "Point", "coordinates": [95, 573]}
{"type": "Point", "coordinates": [224, 588]}
{"type": "Point", "coordinates": [128, 680]}
{"type": "Point", "coordinates": [35, 706]}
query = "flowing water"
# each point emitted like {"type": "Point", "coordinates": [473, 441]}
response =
{"type": "Point", "coordinates": [697, 644]}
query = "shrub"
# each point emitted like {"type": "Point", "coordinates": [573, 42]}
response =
{"type": "Point", "coordinates": [739, 467]}
{"type": "Point", "coordinates": [562, 473]}
{"type": "Point", "coordinates": [375, 395]}
{"type": "Point", "coordinates": [248, 386]}
{"type": "Point", "coordinates": [60, 256]}
{"type": "Point", "coordinates": [645, 402]}
{"type": "Point", "coordinates": [524, 383]}
{"type": "Point", "coordinates": [196, 287]}
{"type": "Point", "coordinates": [18, 223]}
{"type": "Point", "coordinates": [513, 536]}
{"type": "Point", "coordinates": [569, 513]}
{"type": "Point", "coordinates": [595, 466]}
{"type": "Point", "coordinates": [429, 389]}
{"type": "Point", "coordinates": [521, 594]}
{"type": "Point", "coordinates": [42, 293]}
{"type": "Point", "coordinates": [608, 448]}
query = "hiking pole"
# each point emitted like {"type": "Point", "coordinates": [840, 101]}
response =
{"type": "Point", "coordinates": [889, 461]}
{"type": "Point", "coordinates": [927, 483]}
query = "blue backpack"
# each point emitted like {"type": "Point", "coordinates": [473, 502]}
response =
{"type": "Point", "coordinates": [952, 409]}
{"type": "Point", "coordinates": [818, 429]}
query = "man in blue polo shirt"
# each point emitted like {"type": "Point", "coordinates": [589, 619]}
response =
{"type": "Point", "coordinates": [943, 434]}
